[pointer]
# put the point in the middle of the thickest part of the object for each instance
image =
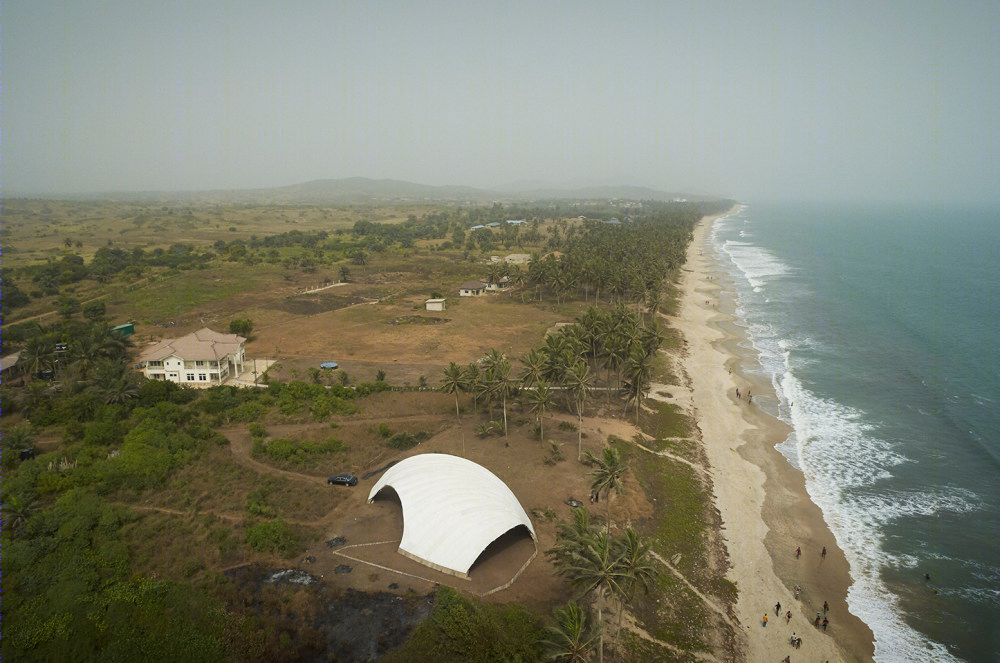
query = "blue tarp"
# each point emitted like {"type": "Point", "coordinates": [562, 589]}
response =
{"type": "Point", "coordinates": [329, 364]}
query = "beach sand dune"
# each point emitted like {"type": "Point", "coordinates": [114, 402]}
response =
{"type": "Point", "coordinates": [761, 497]}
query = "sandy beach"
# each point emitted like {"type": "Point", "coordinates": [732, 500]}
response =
{"type": "Point", "coordinates": [762, 499]}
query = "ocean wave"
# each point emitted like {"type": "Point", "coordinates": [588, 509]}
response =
{"type": "Point", "coordinates": [843, 458]}
{"type": "Point", "coordinates": [756, 264]}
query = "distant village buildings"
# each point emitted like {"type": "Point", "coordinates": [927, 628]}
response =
{"type": "Point", "coordinates": [436, 304]}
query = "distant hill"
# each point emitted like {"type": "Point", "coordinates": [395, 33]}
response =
{"type": "Point", "coordinates": [355, 190]}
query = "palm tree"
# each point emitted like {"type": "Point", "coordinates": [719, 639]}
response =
{"type": "Point", "coordinates": [608, 475]}
{"type": "Point", "coordinates": [636, 566]}
{"type": "Point", "coordinates": [594, 568]}
{"type": "Point", "coordinates": [114, 384]}
{"type": "Point", "coordinates": [452, 383]}
{"type": "Point", "coordinates": [17, 511]}
{"type": "Point", "coordinates": [502, 386]}
{"type": "Point", "coordinates": [578, 381]}
{"type": "Point", "coordinates": [538, 399]}
{"type": "Point", "coordinates": [535, 365]}
{"type": "Point", "coordinates": [638, 370]}
{"type": "Point", "coordinates": [38, 354]}
{"type": "Point", "coordinates": [571, 640]}
{"type": "Point", "coordinates": [472, 379]}
{"type": "Point", "coordinates": [19, 437]}
{"type": "Point", "coordinates": [635, 562]}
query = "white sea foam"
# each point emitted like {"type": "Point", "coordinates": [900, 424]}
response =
{"type": "Point", "coordinates": [756, 264]}
{"type": "Point", "coordinates": [845, 461]}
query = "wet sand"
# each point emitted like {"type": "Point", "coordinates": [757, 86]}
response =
{"type": "Point", "coordinates": [766, 511]}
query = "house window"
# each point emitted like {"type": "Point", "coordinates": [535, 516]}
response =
{"type": "Point", "coordinates": [159, 376]}
{"type": "Point", "coordinates": [199, 364]}
{"type": "Point", "coordinates": [190, 377]}
{"type": "Point", "coordinates": [202, 377]}
{"type": "Point", "coordinates": [155, 363]}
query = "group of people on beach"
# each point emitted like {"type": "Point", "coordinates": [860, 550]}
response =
{"type": "Point", "coordinates": [821, 618]}
{"type": "Point", "coordinates": [739, 396]}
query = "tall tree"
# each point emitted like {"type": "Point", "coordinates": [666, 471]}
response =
{"type": "Point", "coordinates": [595, 569]}
{"type": "Point", "coordinates": [453, 382]}
{"type": "Point", "coordinates": [538, 399]}
{"type": "Point", "coordinates": [571, 639]}
{"type": "Point", "coordinates": [473, 378]}
{"type": "Point", "coordinates": [578, 381]}
{"type": "Point", "coordinates": [608, 475]}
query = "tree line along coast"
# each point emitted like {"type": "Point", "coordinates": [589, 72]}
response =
{"type": "Point", "coordinates": [104, 441]}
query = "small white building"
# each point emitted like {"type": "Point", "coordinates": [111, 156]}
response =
{"type": "Point", "coordinates": [472, 289]}
{"type": "Point", "coordinates": [502, 284]}
{"type": "Point", "coordinates": [201, 358]}
{"type": "Point", "coordinates": [518, 259]}
{"type": "Point", "coordinates": [435, 304]}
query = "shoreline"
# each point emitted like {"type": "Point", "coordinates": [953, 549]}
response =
{"type": "Point", "coordinates": [762, 498]}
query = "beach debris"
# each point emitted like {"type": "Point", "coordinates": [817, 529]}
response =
{"type": "Point", "coordinates": [574, 503]}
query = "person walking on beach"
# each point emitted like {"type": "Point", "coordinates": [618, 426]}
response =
{"type": "Point", "coordinates": [788, 617]}
{"type": "Point", "coordinates": [826, 607]}
{"type": "Point", "coordinates": [764, 621]}
{"type": "Point", "coordinates": [777, 609]}
{"type": "Point", "coordinates": [737, 393]}
{"type": "Point", "coordinates": [823, 554]}
{"type": "Point", "coordinates": [816, 623]}
{"type": "Point", "coordinates": [826, 622]}
{"type": "Point", "coordinates": [798, 590]}
{"type": "Point", "coordinates": [798, 552]}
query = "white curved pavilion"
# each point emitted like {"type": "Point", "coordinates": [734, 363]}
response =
{"type": "Point", "coordinates": [453, 509]}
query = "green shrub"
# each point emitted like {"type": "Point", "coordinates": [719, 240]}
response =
{"type": "Point", "coordinates": [463, 629]}
{"type": "Point", "coordinates": [404, 441]}
{"type": "Point", "coordinates": [273, 535]}
{"type": "Point", "coordinates": [258, 430]}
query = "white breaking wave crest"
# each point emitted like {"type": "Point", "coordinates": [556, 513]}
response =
{"type": "Point", "coordinates": [756, 264]}
{"type": "Point", "coordinates": [841, 458]}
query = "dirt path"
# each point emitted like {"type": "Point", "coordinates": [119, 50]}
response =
{"type": "Point", "coordinates": [233, 517]}
{"type": "Point", "coordinates": [240, 445]}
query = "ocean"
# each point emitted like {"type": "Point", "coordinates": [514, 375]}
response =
{"type": "Point", "coordinates": [879, 328]}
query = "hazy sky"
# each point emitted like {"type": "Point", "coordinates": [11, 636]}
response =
{"type": "Point", "coordinates": [790, 99]}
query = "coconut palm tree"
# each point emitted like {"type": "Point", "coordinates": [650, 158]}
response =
{"type": "Point", "coordinates": [579, 381]}
{"type": "Point", "coordinates": [38, 354]}
{"type": "Point", "coordinates": [19, 437]}
{"type": "Point", "coordinates": [608, 475]}
{"type": "Point", "coordinates": [502, 385]}
{"type": "Point", "coordinates": [17, 511]}
{"type": "Point", "coordinates": [538, 399]}
{"type": "Point", "coordinates": [535, 364]}
{"type": "Point", "coordinates": [571, 639]}
{"type": "Point", "coordinates": [595, 569]}
{"type": "Point", "coordinates": [636, 566]}
{"type": "Point", "coordinates": [453, 382]}
{"type": "Point", "coordinates": [473, 378]}
{"type": "Point", "coordinates": [638, 371]}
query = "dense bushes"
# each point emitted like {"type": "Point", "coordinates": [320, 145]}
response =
{"type": "Point", "coordinates": [297, 453]}
{"type": "Point", "coordinates": [463, 629]}
{"type": "Point", "coordinates": [273, 535]}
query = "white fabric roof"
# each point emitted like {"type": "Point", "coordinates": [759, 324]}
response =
{"type": "Point", "coordinates": [452, 509]}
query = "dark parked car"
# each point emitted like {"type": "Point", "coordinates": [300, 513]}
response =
{"type": "Point", "coordinates": [343, 480]}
